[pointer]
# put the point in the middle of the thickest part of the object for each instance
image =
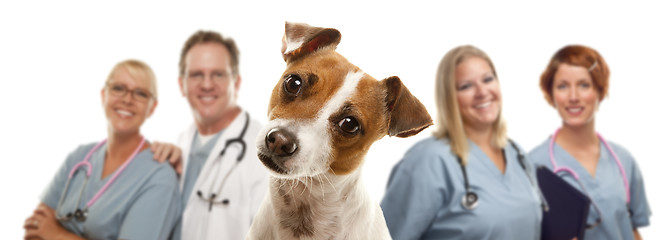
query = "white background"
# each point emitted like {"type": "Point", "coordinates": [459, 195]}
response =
{"type": "Point", "coordinates": [55, 56]}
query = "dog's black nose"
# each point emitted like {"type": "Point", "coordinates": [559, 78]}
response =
{"type": "Point", "coordinates": [281, 142]}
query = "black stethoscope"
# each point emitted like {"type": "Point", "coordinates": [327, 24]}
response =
{"type": "Point", "coordinates": [470, 199]}
{"type": "Point", "coordinates": [239, 140]}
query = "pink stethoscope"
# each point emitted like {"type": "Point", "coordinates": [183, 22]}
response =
{"type": "Point", "coordinates": [575, 175]}
{"type": "Point", "coordinates": [81, 214]}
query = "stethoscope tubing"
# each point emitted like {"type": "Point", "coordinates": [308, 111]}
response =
{"type": "Point", "coordinates": [557, 169]}
{"type": "Point", "coordinates": [86, 163]}
{"type": "Point", "coordinates": [470, 199]}
{"type": "Point", "coordinates": [241, 154]}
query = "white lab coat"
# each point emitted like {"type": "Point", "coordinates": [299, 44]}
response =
{"type": "Point", "coordinates": [245, 187]}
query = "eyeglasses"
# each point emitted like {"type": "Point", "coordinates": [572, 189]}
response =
{"type": "Point", "coordinates": [120, 90]}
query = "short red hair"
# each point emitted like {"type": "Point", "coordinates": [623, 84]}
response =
{"type": "Point", "coordinates": [577, 55]}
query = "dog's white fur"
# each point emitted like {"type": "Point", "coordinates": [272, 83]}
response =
{"type": "Point", "coordinates": [340, 206]}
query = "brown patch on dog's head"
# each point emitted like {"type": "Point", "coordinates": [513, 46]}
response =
{"type": "Point", "coordinates": [320, 76]}
{"type": "Point", "coordinates": [384, 108]}
{"type": "Point", "coordinates": [367, 107]}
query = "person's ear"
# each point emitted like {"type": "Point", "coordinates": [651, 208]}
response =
{"type": "Point", "coordinates": [181, 82]}
{"type": "Point", "coordinates": [152, 107]}
{"type": "Point", "coordinates": [238, 81]}
{"type": "Point", "coordinates": [102, 96]}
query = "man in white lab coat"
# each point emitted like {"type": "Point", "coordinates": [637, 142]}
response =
{"type": "Point", "coordinates": [222, 180]}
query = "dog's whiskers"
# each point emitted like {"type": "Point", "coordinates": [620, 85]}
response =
{"type": "Point", "coordinates": [290, 187]}
{"type": "Point", "coordinates": [277, 180]}
{"type": "Point", "coordinates": [304, 186]}
{"type": "Point", "coordinates": [281, 182]}
{"type": "Point", "coordinates": [312, 179]}
{"type": "Point", "coordinates": [321, 185]}
{"type": "Point", "coordinates": [327, 179]}
{"type": "Point", "coordinates": [294, 184]}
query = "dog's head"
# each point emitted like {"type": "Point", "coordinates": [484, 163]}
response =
{"type": "Point", "coordinates": [325, 112]}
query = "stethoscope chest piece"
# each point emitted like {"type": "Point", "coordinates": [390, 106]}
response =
{"type": "Point", "coordinates": [469, 201]}
{"type": "Point", "coordinates": [81, 215]}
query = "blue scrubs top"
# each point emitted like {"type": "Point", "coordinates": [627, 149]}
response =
{"type": "Point", "coordinates": [424, 192]}
{"type": "Point", "coordinates": [197, 158]}
{"type": "Point", "coordinates": [143, 202]}
{"type": "Point", "coordinates": [606, 189]}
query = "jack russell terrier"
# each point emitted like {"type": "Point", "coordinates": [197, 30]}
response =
{"type": "Point", "coordinates": [324, 114]}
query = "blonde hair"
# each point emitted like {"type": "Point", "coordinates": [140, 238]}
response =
{"type": "Point", "coordinates": [450, 124]}
{"type": "Point", "coordinates": [137, 70]}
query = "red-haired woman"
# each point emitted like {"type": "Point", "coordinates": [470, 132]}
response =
{"type": "Point", "coordinates": [574, 83]}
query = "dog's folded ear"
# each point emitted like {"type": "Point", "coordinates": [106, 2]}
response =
{"type": "Point", "coordinates": [301, 39]}
{"type": "Point", "coordinates": [407, 115]}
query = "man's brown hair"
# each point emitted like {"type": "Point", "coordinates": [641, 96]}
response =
{"type": "Point", "coordinates": [210, 37]}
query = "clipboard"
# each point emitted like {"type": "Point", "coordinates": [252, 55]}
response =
{"type": "Point", "coordinates": [568, 207]}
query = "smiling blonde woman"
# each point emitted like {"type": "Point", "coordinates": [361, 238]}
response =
{"type": "Point", "coordinates": [467, 181]}
{"type": "Point", "coordinates": [113, 189]}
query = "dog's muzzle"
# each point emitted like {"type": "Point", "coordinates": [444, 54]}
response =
{"type": "Point", "coordinates": [281, 145]}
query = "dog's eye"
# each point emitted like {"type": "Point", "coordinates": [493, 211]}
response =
{"type": "Point", "coordinates": [293, 84]}
{"type": "Point", "coordinates": [349, 125]}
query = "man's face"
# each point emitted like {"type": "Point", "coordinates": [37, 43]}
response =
{"type": "Point", "coordinates": [208, 82]}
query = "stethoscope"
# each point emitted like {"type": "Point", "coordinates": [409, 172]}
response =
{"type": "Point", "coordinates": [239, 140]}
{"type": "Point", "coordinates": [575, 175]}
{"type": "Point", "coordinates": [81, 214]}
{"type": "Point", "coordinates": [470, 200]}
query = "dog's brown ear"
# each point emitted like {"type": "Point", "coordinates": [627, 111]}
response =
{"type": "Point", "coordinates": [407, 115]}
{"type": "Point", "coordinates": [301, 39]}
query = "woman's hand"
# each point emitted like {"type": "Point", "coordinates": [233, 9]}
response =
{"type": "Point", "coordinates": [168, 152]}
{"type": "Point", "coordinates": [43, 225]}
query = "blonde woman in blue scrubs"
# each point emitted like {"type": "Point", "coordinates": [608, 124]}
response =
{"type": "Point", "coordinates": [128, 195]}
{"type": "Point", "coordinates": [469, 154]}
{"type": "Point", "coordinates": [574, 83]}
